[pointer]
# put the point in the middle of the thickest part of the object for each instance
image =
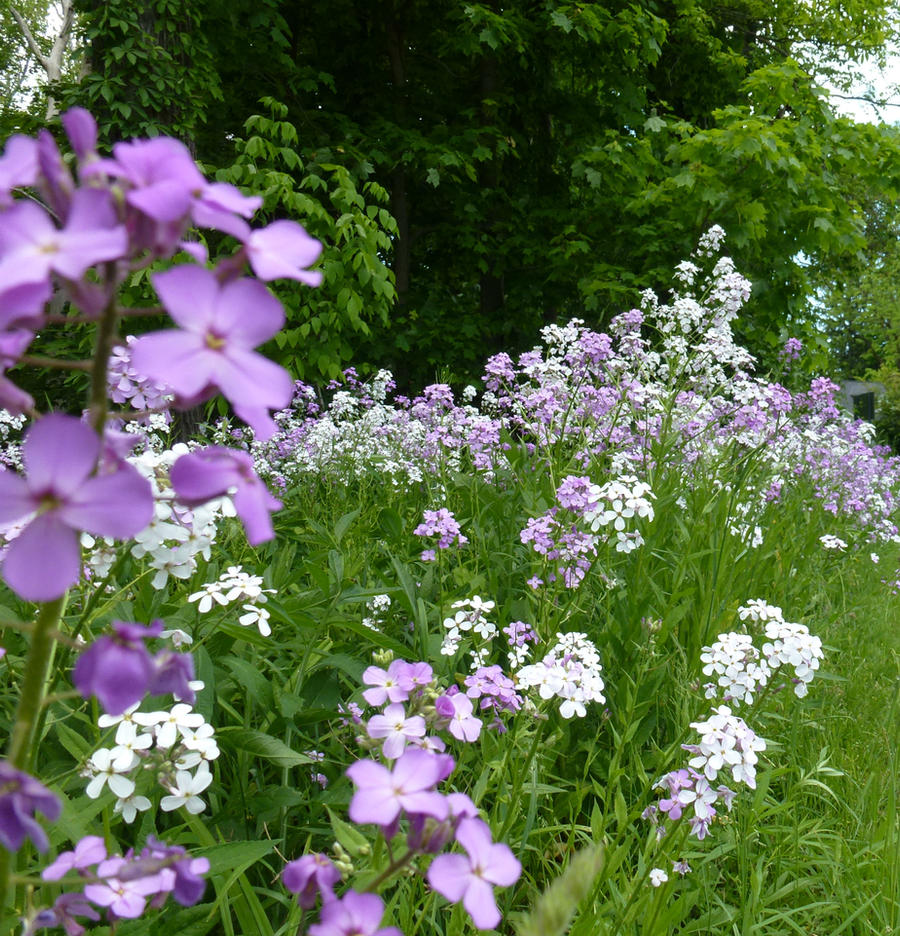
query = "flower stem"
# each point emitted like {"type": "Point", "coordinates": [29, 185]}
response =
{"type": "Point", "coordinates": [106, 336]}
{"type": "Point", "coordinates": [31, 700]}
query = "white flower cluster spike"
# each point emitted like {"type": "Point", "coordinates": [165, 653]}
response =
{"type": "Point", "coordinates": [726, 741]}
{"type": "Point", "coordinates": [237, 585]}
{"type": "Point", "coordinates": [470, 620]}
{"type": "Point", "coordinates": [169, 744]}
{"type": "Point", "coordinates": [570, 672]}
{"type": "Point", "coordinates": [737, 666]}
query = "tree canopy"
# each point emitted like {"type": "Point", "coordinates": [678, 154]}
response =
{"type": "Point", "coordinates": [479, 169]}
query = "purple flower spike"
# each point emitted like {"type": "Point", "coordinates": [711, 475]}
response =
{"type": "Point", "coordinates": [470, 878]}
{"type": "Point", "coordinates": [200, 476]}
{"type": "Point", "coordinates": [60, 452]}
{"type": "Point", "coordinates": [309, 876]}
{"type": "Point", "coordinates": [21, 796]}
{"type": "Point", "coordinates": [213, 348]}
{"type": "Point", "coordinates": [353, 915]}
{"type": "Point", "coordinates": [118, 670]}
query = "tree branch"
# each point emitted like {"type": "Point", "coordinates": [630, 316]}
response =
{"type": "Point", "coordinates": [30, 42]}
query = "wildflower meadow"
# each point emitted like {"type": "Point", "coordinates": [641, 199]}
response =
{"type": "Point", "coordinates": [604, 644]}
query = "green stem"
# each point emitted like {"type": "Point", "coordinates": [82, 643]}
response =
{"type": "Point", "coordinates": [30, 703]}
{"type": "Point", "coordinates": [390, 870]}
{"type": "Point", "coordinates": [106, 337]}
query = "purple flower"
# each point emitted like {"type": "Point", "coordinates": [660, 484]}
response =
{"type": "Point", "coordinates": [125, 898]}
{"type": "Point", "coordinates": [172, 673]}
{"type": "Point", "coordinates": [200, 476]}
{"type": "Point", "coordinates": [60, 452]}
{"type": "Point", "coordinates": [117, 669]}
{"type": "Point", "coordinates": [81, 129]}
{"type": "Point", "coordinates": [20, 797]}
{"type": "Point", "coordinates": [309, 876]}
{"type": "Point", "coordinates": [353, 915]}
{"type": "Point", "coordinates": [63, 912]}
{"type": "Point", "coordinates": [18, 166]}
{"type": "Point", "coordinates": [89, 851]}
{"type": "Point", "coordinates": [12, 344]}
{"type": "Point", "coordinates": [23, 305]}
{"type": "Point", "coordinates": [188, 886]}
{"type": "Point", "coordinates": [391, 685]}
{"type": "Point", "coordinates": [32, 247]}
{"type": "Point", "coordinates": [213, 348]}
{"type": "Point", "coordinates": [381, 795]}
{"type": "Point", "coordinates": [282, 250]}
{"type": "Point", "coordinates": [470, 878]}
{"type": "Point", "coordinates": [396, 729]}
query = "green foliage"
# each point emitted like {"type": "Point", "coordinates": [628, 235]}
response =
{"type": "Point", "coordinates": [147, 67]}
{"type": "Point", "coordinates": [330, 193]}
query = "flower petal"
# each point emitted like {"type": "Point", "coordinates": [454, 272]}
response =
{"type": "Point", "coordinates": [59, 454]}
{"type": "Point", "coordinates": [119, 505]}
{"type": "Point", "coordinates": [43, 560]}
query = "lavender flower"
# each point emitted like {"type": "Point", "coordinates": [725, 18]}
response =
{"type": "Point", "coordinates": [353, 914]}
{"type": "Point", "coordinates": [21, 796]}
{"type": "Point", "coordinates": [60, 454]}
{"type": "Point", "coordinates": [310, 876]}
{"type": "Point", "coordinates": [118, 669]}
{"type": "Point", "coordinates": [471, 878]}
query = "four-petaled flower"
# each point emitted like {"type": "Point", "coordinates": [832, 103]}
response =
{"type": "Point", "coordinates": [471, 878]}
{"type": "Point", "coordinates": [219, 326]}
{"type": "Point", "coordinates": [62, 497]}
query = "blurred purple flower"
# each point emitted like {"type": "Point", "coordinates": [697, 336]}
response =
{"type": "Point", "coordinates": [117, 668]}
{"type": "Point", "coordinates": [283, 250]}
{"type": "Point", "coordinates": [471, 878]}
{"type": "Point", "coordinates": [20, 797]}
{"type": "Point", "coordinates": [309, 876]}
{"type": "Point", "coordinates": [212, 472]}
{"type": "Point", "coordinates": [32, 247]}
{"type": "Point", "coordinates": [60, 452]}
{"type": "Point", "coordinates": [89, 851]}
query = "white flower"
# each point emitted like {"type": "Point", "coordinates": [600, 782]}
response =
{"type": "Point", "coordinates": [832, 542]}
{"type": "Point", "coordinates": [129, 806]}
{"type": "Point", "coordinates": [105, 771]}
{"type": "Point", "coordinates": [128, 743]}
{"type": "Point", "coordinates": [658, 877]}
{"type": "Point", "coordinates": [185, 790]}
{"type": "Point", "coordinates": [178, 637]}
{"type": "Point", "coordinates": [168, 723]}
{"type": "Point", "coordinates": [211, 592]}
{"type": "Point", "coordinates": [258, 616]}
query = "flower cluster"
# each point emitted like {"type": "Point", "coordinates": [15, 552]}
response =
{"type": "Point", "coordinates": [385, 797]}
{"type": "Point", "coordinates": [470, 620]}
{"type": "Point", "coordinates": [378, 607]}
{"type": "Point", "coordinates": [570, 672]}
{"type": "Point", "coordinates": [164, 744]}
{"type": "Point", "coordinates": [443, 524]}
{"type": "Point", "coordinates": [123, 885]}
{"type": "Point", "coordinates": [235, 585]}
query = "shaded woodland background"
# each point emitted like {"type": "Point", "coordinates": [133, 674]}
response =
{"type": "Point", "coordinates": [476, 170]}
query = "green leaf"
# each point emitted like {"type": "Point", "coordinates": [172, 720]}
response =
{"type": "Point", "coordinates": [262, 745]}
